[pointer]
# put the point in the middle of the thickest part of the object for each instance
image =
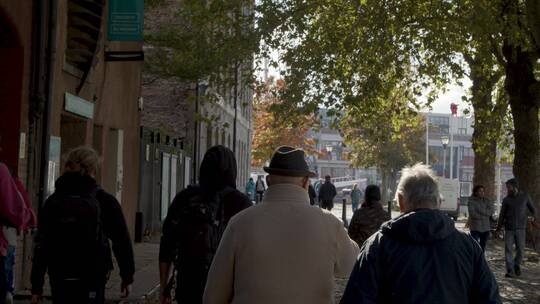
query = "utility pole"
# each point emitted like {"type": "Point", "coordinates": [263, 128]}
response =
{"type": "Point", "coordinates": [235, 105]}
{"type": "Point", "coordinates": [498, 176]}
{"type": "Point", "coordinates": [427, 139]}
{"type": "Point", "coordinates": [451, 147]}
{"type": "Point", "coordinates": [453, 109]}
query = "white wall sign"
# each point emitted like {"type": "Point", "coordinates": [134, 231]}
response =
{"type": "Point", "coordinates": [22, 145]}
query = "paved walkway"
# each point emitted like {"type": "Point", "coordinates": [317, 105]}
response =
{"type": "Point", "coordinates": [146, 279]}
{"type": "Point", "coordinates": [146, 276]}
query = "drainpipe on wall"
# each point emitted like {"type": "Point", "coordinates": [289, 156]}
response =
{"type": "Point", "coordinates": [196, 136]}
{"type": "Point", "coordinates": [51, 61]}
{"type": "Point", "coordinates": [38, 42]}
{"type": "Point", "coordinates": [235, 107]}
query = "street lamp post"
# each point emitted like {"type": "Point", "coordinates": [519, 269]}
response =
{"type": "Point", "coordinates": [444, 140]}
{"type": "Point", "coordinates": [329, 150]}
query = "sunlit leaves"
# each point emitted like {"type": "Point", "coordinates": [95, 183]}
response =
{"type": "Point", "coordinates": [204, 40]}
{"type": "Point", "coordinates": [388, 138]}
{"type": "Point", "coordinates": [273, 129]}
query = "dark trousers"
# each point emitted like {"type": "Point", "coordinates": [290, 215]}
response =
{"type": "Point", "coordinates": [481, 238]}
{"type": "Point", "coordinates": [327, 204]}
{"type": "Point", "coordinates": [259, 197]}
{"type": "Point", "coordinates": [3, 281]}
{"type": "Point", "coordinates": [76, 291]}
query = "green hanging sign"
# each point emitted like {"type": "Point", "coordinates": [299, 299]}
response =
{"type": "Point", "coordinates": [126, 20]}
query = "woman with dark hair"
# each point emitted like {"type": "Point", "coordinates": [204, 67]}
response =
{"type": "Point", "coordinates": [480, 211]}
{"type": "Point", "coordinates": [368, 219]}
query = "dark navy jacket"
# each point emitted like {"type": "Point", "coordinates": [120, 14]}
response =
{"type": "Point", "coordinates": [420, 257]}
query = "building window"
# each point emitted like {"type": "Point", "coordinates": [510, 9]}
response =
{"type": "Point", "coordinates": [462, 131]}
{"type": "Point", "coordinates": [439, 125]}
{"type": "Point", "coordinates": [468, 152]}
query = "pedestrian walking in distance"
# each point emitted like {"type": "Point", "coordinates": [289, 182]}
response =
{"type": "Point", "coordinates": [327, 192]}
{"type": "Point", "coordinates": [420, 257]}
{"type": "Point", "coordinates": [260, 187]}
{"type": "Point", "coordinates": [513, 218]}
{"type": "Point", "coordinates": [75, 226]}
{"type": "Point", "coordinates": [480, 212]}
{"type": "Point", "coordinates": [194, 226]}
{"type": "Point", "coordinates": [312, 194]}
{"type": "Point", "coordinates": [356, 196]}
{"type": "Point", "coordinates": [281, 250]}
{"type": "Point", "coordinates": [250, 189]}
{"type": "Point", "coordinates": [368, 219]}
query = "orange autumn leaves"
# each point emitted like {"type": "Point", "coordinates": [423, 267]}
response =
{"type": "Point", "coordinates": [274, 128]}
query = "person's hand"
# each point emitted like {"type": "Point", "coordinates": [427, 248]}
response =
{"type": "Point", "coordinates": [36, 299]}
{"type": "Point", "coordinates": [125, 290]}
{"type": "Point", "coordinates": [165, 299]}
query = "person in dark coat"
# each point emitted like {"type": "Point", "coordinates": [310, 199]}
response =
{"type": "Point", "coordinates": [327, 192]}
{"type": "Point", "coordinates": [79, 180]}
{"type": "Point", "coordinates": [513, 218]}
{"type": "Point", "coordinates": [420, 257]}
{"type": "Point", "coordinates": [369, 218]}
{"type": "Point", "coordinates": [217, 177]}
{"type": "Point", "coordinates": [312, 194]}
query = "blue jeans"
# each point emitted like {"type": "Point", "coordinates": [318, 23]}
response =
{"type": "Point", "coordinates": [3, 279]}
{"type": "Point", "coordinates": [9, 267]}
{"type": "Point", "coordinates": [512, 237]}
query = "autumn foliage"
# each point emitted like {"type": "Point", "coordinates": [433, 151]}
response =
{"type": "Point", "coordinates": [271, 130]}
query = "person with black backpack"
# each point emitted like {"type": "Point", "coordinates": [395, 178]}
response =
{"type": "Point", "coordinates": [72, 243]}
{"type": "Point", "coordinates": [194, 226]}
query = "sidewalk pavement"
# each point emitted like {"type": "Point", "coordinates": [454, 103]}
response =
{"type": "Point", "coordinates": [146, 282]}
{"type": "Point", "coordinates": [145, 287]}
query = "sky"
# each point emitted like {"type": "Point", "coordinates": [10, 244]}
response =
{"type": "Point", "coordinates": [453, 94]}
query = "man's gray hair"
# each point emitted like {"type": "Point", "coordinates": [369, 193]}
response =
{"type": "Point", "coordinates": [418, 186]}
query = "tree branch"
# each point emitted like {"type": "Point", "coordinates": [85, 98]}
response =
{"type": "Point", "coordinates": [497, 52]}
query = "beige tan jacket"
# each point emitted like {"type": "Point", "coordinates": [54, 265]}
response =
{"type": "Point", "coordinates": [280, 251]}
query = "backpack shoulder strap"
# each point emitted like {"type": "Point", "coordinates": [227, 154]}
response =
{"type": "Point", "coordinates": [220, 216]}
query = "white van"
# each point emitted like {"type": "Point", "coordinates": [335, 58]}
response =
{"type": "Point", "coordinates": [449, 190]}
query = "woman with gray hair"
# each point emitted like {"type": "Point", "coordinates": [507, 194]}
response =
{"type": "Point", "coordinates": [420, 257]}
{"type": "Point", "coordinates": [72, 244]}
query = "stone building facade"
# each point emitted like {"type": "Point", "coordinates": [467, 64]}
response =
{"type": "Point", "coordinates": [67, 82]}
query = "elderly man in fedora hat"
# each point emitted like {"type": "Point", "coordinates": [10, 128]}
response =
{"type": "Point", "coordinates": [282, 250]}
